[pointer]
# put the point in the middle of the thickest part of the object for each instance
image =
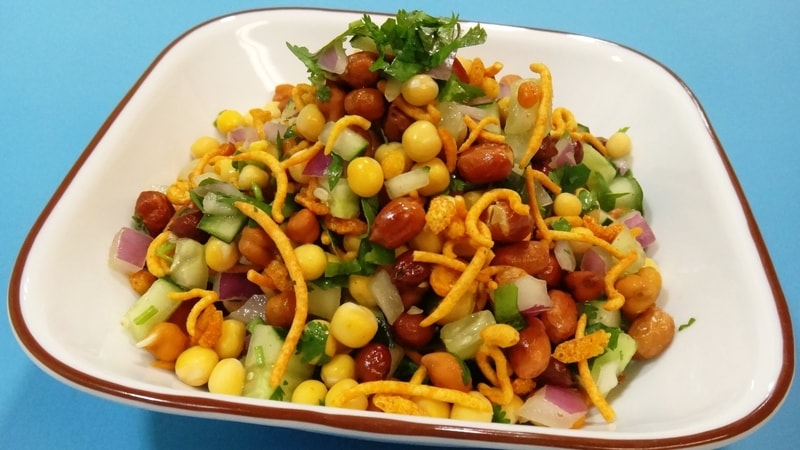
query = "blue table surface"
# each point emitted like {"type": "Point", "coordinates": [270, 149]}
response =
{"type": "Point", "coordinates": [65, 65]}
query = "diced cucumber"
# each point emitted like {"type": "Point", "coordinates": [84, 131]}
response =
{"type": "Point", "coordinates": [189, 268]}
{"type": "Point", "coordinates": [491, 109]}
{"type": "Point", "coordinates": [626, 243]}
{"type": "Point", "coordinates": [213, 203]}
{"type": "Point", "coordinates": [343, 202]}
{"type": "Point", "coordinates": [627, 193]}
{"type": "Point", "coordinates": [349, 143]}
{"type": "Point", "coordinates": [153, 307]}
{"type": "Point", "coordinates": [323, 302]}
{"type": "Point", "coordinates": [607, 367]}
{"type": "Point", "coordinates": [262, 353]}
{"type": "Point", "coordinates": [463, 336]}
{"type": "Point", "coordinates": [223, 227]}
{"type": "Point", "coordinates": [597, 314]}
{"type": "Point", "coordinates": [598, 165]}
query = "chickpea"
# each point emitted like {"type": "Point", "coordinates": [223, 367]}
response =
{"type": "Point", "coordinates": [220, 255]}
{"type": "Point", "coordinates": [365, 176]}
{"type": "Point", "coordinates": [231, 341]}
{"type": "Point", "coordinates": [358, 286]}
{"type": "Point", "coordinates": [280, 309]}
{"type": "Point", "coordinates": [312, 260]}
{"type": "Point", "coordinates": [310, 392]}
{"type": "Point", "coordinates": [619, 145]}
{"type": "Point", "coordinates": [141, 280]}
{"type": "Point", "coordinates": [567, 204]}
{"type": "Point", "coordinates": [256, 246]}
{"type": "Point", "coordinates": [252, 175]}
{"type": "Point", "coordinates": [359, 402]}
{"type": "Point", "coordinates": [420, 89]}
{"type": "Point", "coordinates": [165, 341]}
{"type": "Point", "coordinates": [203, 145]}
{"type": "Point", "coordinates": [438, 177]}
{"type": "Point", "coordinates": [461, 412]}
{"type": "Point", "coordinates": [353, 325]}
{"type": "Point", "coordinates": [228, 120]}
{"type": "Point", "coordinates": [640, 290]}
{"type": "Point", "coordinates": [395, 162]}
{"type": "Point", "coordinates": [427, 241]}
{"type": "Point", "coordinates": [194, 365]}
{"type": "Point", "coordinates": [433, 408]}
{"type": "Point", "coordinates": [227, 377]}
{"type": "Point", "coordinates": [310, 122]}
{"type": "Point", "coordinates": [421, 141]}
{"type": "Point", "coordinates": [368, 103]}
{"type": "Point", "coordinates": [303, 227]}
{"type": "Point", "coordinates": [340, 367]}
{"type": "Point", "coordinates": [446, 371]}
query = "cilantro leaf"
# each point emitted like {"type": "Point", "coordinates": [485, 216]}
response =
{"type": "Point", "coordinates": [499, 415]}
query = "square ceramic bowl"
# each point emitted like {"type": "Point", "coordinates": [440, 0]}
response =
{"type": "Point", "coordinates": [720, 379]}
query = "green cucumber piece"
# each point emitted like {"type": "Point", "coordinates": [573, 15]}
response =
{"type": "Point", "coordinates": [262, 353]}
{"type": "Point", "coordinates": [598, 165]}
{"type": "Point", "coordinates": [223, 227]}
{"type": "Point", "coordinates": [343, 202]}
{"type": "Point", "coordinates": [189, 268]}
{"type": "Point", "coordinates": [627, 193]}
{"type": "Point", "coordinates": [607, 368]}
{"type": "Point", "coordinates": [492, 109]}
{"type": "Point", "coordinates": [348, 145]}
{"type": "Point", "coordinates": [152, 308]}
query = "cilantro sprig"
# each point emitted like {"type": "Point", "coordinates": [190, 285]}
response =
{"type": "Point", "coordinates": [407, 44]}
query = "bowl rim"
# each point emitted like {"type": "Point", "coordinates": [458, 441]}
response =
{"type": "Point", "coordinates": [387, 427]}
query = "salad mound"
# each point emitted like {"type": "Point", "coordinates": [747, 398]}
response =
{"type": "Point", "coordinates": [408, 231]}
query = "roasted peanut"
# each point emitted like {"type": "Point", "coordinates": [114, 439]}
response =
{"type": "Point", "coordinates": [184, 224]}
{"type": "Point", "coordinates": [640, 290]}
{"type": "Point", "coordinates": [400, 220]}
{"type": "Point", "coordinates": [485, 163]}
{"type": "Point", "coordinates": [373, 362]}
{"type": "Point", "coordinates": [256, 246]}
{"type": "Point", "coordinates": [653, 330]}
{"type": "Point", "coordinates": [409, 273]}
{"type": "Point", "coordinates": [505, 224]}
{"type": "Point", "coordinates": [531, 256]}
{"type": "Point", "coordinates": [368, 103]}
{"type": "Point", "coordinates": [585, 285]}
{"type": "Point", "coordinates": [529, 357]}
{"type": "Point", "coordinates": [154, 210]}
{"type": "Point", "coordinates": [357, 73]}
{"type": "Point", "coordinates": [556, 373]}
{"type": "Point", "coordinates": [280, 308]}
{"type": "Point", "coordinates": [333, 108]}
{"type": "Point", "coordinates": [446, 371]}
{"type": "Point", "coordinates": [561, 320]}
{"type": "Point", "coordinates": [395, 124]}
{"type": "Point", "coordinates": [408, 332]}
{"type": "Point", "coordinates": [303, 227]}
{"type": "Point", "coordinates": [165, 341]}
{"type": "Point", "coordinates": [552, 273]}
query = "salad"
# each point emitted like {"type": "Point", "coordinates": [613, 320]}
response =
{"type": "Point", "coordinates": [409, 231]}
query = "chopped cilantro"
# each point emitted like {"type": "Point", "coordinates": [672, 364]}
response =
{"type": "Point", "coordinates": [313, 341]}
{"type": "Point", "coordinates": [499, 415]}
{"type": "Point", "coordinates": [278, 394]}
{"type": "Point", "coordinates": [570, 178]}
{"type": "Point", "coordinates": [561, 224]}
{"type": "Point", "coordinates": [335, 170]}
{"type": "Point", "coordinates": [687, 324]}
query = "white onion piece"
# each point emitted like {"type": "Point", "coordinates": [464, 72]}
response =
{"type": "Point", "coordinates": [235, 286]}
{"type": "Point", "coordinates": [565, 154]}
{"type": "Point", "coordinates": [242, 134]}
{"type": "Point", "coordinates": [634, 219]}
{"type": "Point", "coordinates": [323, 302]}
{"type": "Point", "coordinates": [405, 183]}
{"type": "Point", "coordinates": [596, 260]}
{"type": "Point", "coordinates": [386, 295]}
{"type": "Point", "coordinates": [564, 255]}
{"type": "Point", "coordinates": [392, 89]}
{"type": "Point", "coordinates": [542, 196]}
{"type": "Point", "coordinates": [554, 406]}
{"type": "Point", "coordinates": [532, 297]}
{"type": "Point", "coordinates": [128, 250]}
{"type": "Point", "coordinates": [252, 308]}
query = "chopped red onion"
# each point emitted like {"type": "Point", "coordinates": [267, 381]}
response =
{"type": "Point", "coordinates": [565, 153]}
{"type": "Point", "coordinates": [634, 219]}
{"type": "Point", "coordinates": [532, 296]}
{"type": "Point", "coordinates": [318, 165]}
{"type": "Point", "coordinates": [235, 286]}
{"type": "Point", "coordinates": [554, 406]}
{"type": "Point", "coordinates": [443, 70]}
{"type": "Point", "coordinates": [596, 260]}
{"type": "Point", "coordinates": [242, 134]}
{"type": "Point", "coordinates": [129, 250]}
{"type": "Point", "coordinates": [333, 59]}
{"type": "Point", "coordinates": [272, 130]}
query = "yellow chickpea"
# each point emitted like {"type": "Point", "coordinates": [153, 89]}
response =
{"type": "Point", "coordinates": [312, 260]}
{"type": "Point", "coordinates": [358, 286]}
{"type": "Point", "coordinates": [195, 364]}
{"type": "Point", "coordinates": [353, 325]}
{"type": "Point", "coordinates": [619, 145]}
{"type": "Point", "coordinates": [420, 89]}
{"type": "Point", "coordinates": [228, 120]}
{"type": "Point", "coordinates": [310, 122]}
{"type": "Point", "coordinates": [567, 204]}
{"type": "Point", "coordinates": [460, 412]}
{"type": "Point", "coordinates": [310, 392]}
{"type": "Point", "coordinates": [365, 176]}
{"type": "Point", "coordinates": [359, 402]}
{"type": "Point", "coordinates": [438, 177]}
{"type": "Point", "coordinates": [220, 255]}
{"type": "Point", "coordinates": [231, 341]}
{"type": "Point", "coordinates": [421, 141]}
{"type": "Point", "coordinates": [341, 366]}
{"type": "Point", "coordinates": [203, 145]}
{"type": "Point", "coordinates": [227, 377]}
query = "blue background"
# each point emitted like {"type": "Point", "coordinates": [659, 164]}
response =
{"type": "Point", "coordinates": [65, 65]}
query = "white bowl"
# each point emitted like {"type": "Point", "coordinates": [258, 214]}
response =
{"type": "Point", "coordinates": [720, 379]}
